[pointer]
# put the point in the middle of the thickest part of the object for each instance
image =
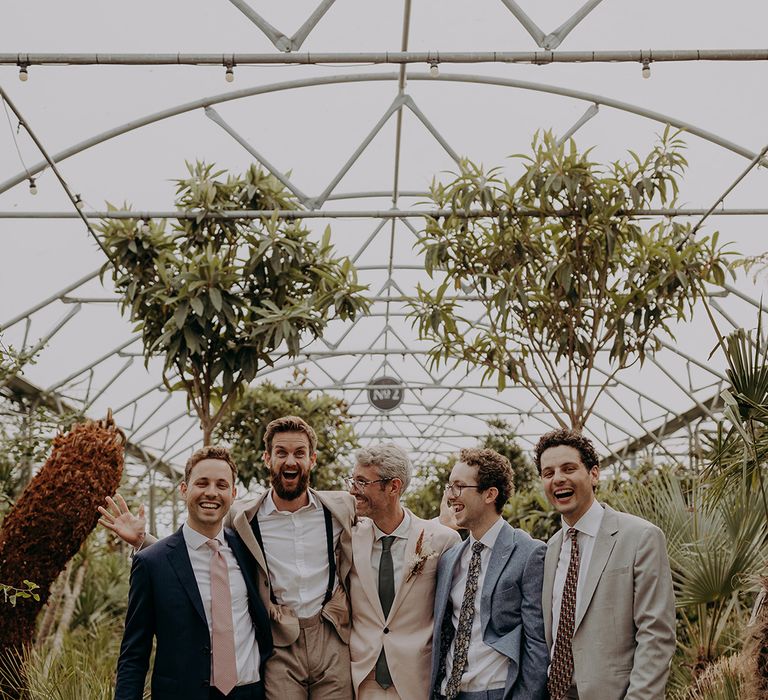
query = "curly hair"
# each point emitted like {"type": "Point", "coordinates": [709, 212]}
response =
{"type": "Point", "coordinates": [290, 424]}
{"type": "Point", "coordinates": [210, 452]}
{"type": "Point", "coordinates": [570, 438]}
{"type": "Point", "coordinates": [493, 469]}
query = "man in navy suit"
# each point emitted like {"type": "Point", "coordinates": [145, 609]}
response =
{"type": "Point", "coordinates": [194, 594]}
{"type": "Point", "coordinates": [488, 599]}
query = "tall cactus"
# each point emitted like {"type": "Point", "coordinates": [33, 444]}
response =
{"type": "Point", "coordinates": [53, 517]}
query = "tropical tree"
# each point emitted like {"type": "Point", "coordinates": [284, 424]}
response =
{"type": "Point", "coordinates": [243, 429]}
{"type": "Point", "coordinates": [218, 296]}
{"type": "Point", "coordinates": [561, 269]}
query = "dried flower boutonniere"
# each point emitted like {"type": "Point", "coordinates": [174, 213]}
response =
{"type": "Point", "coordinates": [420, 557]}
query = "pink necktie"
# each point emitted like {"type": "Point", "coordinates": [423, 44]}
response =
{"type": "Point", "coordinates": [223, 642]}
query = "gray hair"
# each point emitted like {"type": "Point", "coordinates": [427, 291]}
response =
{"type": "Point", "coordinates": [391, 461]}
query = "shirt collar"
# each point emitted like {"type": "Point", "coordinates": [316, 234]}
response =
{"type": "Point", "coordinates": [195, 540]}
{"type": "Point", "coordinates": [402, 530]}
{"type": "Point", "coordinates": [590, 522]}
{"type": "Point", "coordinates": [269, 507]}
{"type": "Point", "coordinates": [489, 538]}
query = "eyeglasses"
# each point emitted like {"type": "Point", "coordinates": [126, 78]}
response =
{"type": "Point", "coordinates": [456, 489]}
{"type": "Point", "coordinates": [360, 484]}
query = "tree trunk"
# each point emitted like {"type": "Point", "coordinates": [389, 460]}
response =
{"type": "Point", "coordinates": [756, 648]}
{"type": "Point", "coordinates": [70, 598]}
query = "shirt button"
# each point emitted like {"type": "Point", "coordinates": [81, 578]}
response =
{"type": "Point", "coordinates": [386, 630]}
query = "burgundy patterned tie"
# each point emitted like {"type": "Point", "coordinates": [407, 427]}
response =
{"type": "Point", "coordinates": [561, 669]}
{"type": "Point", "coordinates": [223, 637]}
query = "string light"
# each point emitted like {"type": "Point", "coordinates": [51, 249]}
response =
{"type": "Point", "coordinates": [229, 76]}
{"type": "Point", "coordinates": [144, 226]}
{"type": "Point", "coordinates": [79, 202]}
{"type": "Point", "coordinates": [434, 69]}
{"type": "Point", "coordinates": [646, 69]}
{"type": "Point", "coordinates": [23, 73]}
{"type": "Point", "coordinates": [32, 186]}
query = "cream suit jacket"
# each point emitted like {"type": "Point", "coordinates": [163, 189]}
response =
{"type": "Point", "coordinates": [406, 633]}
{"type": "Point", "coordinates": [285, 625]}
{"type": "Point", "coordinates": [624, 636]}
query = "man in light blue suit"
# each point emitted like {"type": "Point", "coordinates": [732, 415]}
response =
{"type": "Point", "coordinates": [488, 617]}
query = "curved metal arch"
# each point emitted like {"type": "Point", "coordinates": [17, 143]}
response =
{"type": "Point", "coordinates": [377, 77]}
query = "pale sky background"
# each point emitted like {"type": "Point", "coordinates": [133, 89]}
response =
{"type": "Point", "coordinates": [312, 131]}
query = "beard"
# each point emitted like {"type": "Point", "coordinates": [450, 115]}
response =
{"type": "Point", "coordinates": [290, 493]}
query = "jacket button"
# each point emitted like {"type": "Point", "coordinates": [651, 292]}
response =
{"type": "Point", "coordinates": [386, 630]}
{"type": "Point", "coordinates": [206, 650]}
{"type": "Point", "coordinates": [204, 684]}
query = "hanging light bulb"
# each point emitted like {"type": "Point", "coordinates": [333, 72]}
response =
{"type": "Point", "coordinates": [32, 186]}
{"type": "Point", "coordinates": [434, 69]}
{"type": "Point", "coordinates": [79, 202]}
{"type": "Point", "coordinates": [23, 73]}
{"type": "Point", "coordinates": [646, 69]}
{"type": "Point", "coordinates": [229, 76]}
{"type": "Point", "coordinates": [144, 226]}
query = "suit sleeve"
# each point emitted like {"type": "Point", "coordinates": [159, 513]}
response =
{"type": "Point", "coordinates": [534, 655]}
{"type": "Point", "coordinates": [136, 646]}
{"type": "Point", "coordinates": [654, 615]}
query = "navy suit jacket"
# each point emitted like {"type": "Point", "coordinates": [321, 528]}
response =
{"type": "Point", "coordinates": [510, 610]}
{"type": "Point", "coordinates": [164, 603]}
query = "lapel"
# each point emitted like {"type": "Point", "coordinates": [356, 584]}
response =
{"type": "Point", "coordinates": [178, 557]}
{"type": "Point", "coordinates": [500, 554]}
{"type": "Point", "coordinates": [404, 586]}
{"type": "Point", "coordinates": [362, 544]}
{"type": "Point", "coordinates": [445, 580]}
{"type": "Point", "coordinates": [242, 525]}
{"type": "Point", "coordinates": [341, 506]}
{"type": "Point", "coordinates": [604, 544]}
{"type": "Point", "coordinates": [550, 568]}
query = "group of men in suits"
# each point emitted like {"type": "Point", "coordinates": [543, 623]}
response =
{"type": "Point", "coordinates": [338, 595]}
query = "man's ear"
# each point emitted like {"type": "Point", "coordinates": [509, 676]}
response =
{"type": "Point", "coordinates": [183, 489]}
{"type": "Point", "coordinates": [312, 461]}
{"type": "Point", "coordinates": [493, 492]}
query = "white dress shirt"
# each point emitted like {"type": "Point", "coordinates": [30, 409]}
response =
{"type": "Point", "coordinates": [401, 533]}
{"type": "Point", "coordinates": [246, 646]}
{"type": "Point", "coordinates": [296, 551]}
{"type": "Point", "coordinates": [587, 528]}
{"type": "Point", "coordinates": [486, 668]}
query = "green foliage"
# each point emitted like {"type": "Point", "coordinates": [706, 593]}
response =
{"type": "Point", "coordinates": [581, 277]}
{"type": "Point", "coordinates": [717, 548]}
{"type": "Point", "coordinates": [427, 486]}
{"type": "Point", "coordinates": [502, 438]}
{"type": "Point", "coordinates": [243, 429]}
{"type": "Point", "coordinates": [217, 297]}
{"type": "Point", "coordinates": [11, 594]}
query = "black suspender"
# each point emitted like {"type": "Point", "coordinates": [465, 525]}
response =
{"type": "Point", "coordinates": [330, 548]}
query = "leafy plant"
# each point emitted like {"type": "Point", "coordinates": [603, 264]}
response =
{"type": "Point", "coordinates": [218, 296]}
{"type": "Point", "coordinates": [581, 276]}
{"type": "Point", "coordinates": [243, 429]}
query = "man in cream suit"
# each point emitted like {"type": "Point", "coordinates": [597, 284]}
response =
{"type": "Point", "coordinates": [488, 599]}
{"type": "Point", "coordinates": [302, 543]}
{"type": "Point", "coordinates": [609, 607]}
{"type": "Point", "coordinates": [392, 585]}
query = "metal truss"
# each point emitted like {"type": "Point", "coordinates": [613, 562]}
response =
{"type": "Point", "coordinates": [445, 408]}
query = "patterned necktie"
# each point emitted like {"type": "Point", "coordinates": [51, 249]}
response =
{"type": "Point", "coordinates": [386, 596]}
{"type": "Point", "coordinates": [223, 637]}
{"type": "Point", "coordinates": [464, 628]}
{"type": "Point", "coordinates": [561, 670]}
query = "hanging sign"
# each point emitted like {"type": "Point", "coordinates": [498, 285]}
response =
{"type": "Point", "coordinates": [385, 393]}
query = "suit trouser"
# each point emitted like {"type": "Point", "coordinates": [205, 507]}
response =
{"type": "Point", "coordinates": [369, 689]}
{"type": "Point", "coordinates": [316, 665]}
{"type": "Point", "coordinates": [252, 691]}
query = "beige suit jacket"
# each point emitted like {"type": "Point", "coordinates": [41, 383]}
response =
{"type": "Point", "coordinates": [285, 624]}
{"type": "Point", "coordinates": [624, 636]}
{"type": "Point", "coordinates": [406, 633]}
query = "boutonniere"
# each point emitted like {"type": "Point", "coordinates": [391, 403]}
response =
{"type": "Point", "coordinates": [420, 557]}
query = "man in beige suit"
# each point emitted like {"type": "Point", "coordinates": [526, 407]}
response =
{"type": "Point", "coordinates": [392, 585]}
{"type": "Point", "coordinates": [301, 541]}
{"type": "Point", "coordinates": [608, 602]}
